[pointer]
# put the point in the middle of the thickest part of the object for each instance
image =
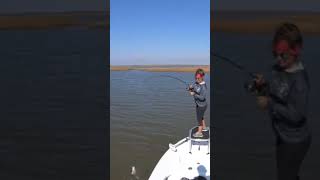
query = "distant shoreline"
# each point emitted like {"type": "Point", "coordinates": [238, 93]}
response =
{"type": "Point", "coordinates": [222, 21]}
{"type": "Point", "coordinates": [161, 68]}
{"type": "Point", "coordinates": [263, 21]}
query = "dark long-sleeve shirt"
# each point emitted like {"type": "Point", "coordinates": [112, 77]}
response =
{"type": "Point", "coordinates": [288, 91]}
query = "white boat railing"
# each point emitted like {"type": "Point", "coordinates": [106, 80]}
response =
{"type": "Point", "coordinates": [173, 147]}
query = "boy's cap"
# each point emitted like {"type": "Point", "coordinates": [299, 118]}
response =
{"type": "Point", "coordinates": [199, 75]}
{"type": "Point", "coordinates": [283, 46]}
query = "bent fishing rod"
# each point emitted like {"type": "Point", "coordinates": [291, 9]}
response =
{"type": "Point", "coordinates": [176, 79]}
{"type": "Point", "coordinates": [234, 64]}
{"type": "Point", "coordinates": [180, 80]}
{"type": "Point", "coordinates": [251, 85]}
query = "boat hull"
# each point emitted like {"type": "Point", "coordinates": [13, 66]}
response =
{"type": "Point", "coordinates": [180, 161]}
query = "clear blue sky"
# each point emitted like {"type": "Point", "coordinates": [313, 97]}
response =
{"type": "Point", "coordinates": [159, 32]}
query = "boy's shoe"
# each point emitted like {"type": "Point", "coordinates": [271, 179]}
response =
{"type": "Point", "coordinates": [198, 135]}
{"type": "Point", "coordinates": [205, 129]}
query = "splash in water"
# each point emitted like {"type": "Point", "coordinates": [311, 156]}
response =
{"type": "Point", "coordinates": [134, 174]}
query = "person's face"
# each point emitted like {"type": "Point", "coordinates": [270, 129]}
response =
{"type": "Point", "coordinates": [285, 60]}
{"type": "Point", "coordinates": [284, 55]}
{"type": "Point", "coordinates": [198, 79]}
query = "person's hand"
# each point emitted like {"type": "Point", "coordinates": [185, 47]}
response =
{"type": "Point", "coordinates": [259, 80]}
{"type": "Point", "coordinates": [191, 93]}
{"type": "Point", "coordinates": [262, 102]}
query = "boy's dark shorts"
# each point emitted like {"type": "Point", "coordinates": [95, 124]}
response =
{"type": "Point", "coordinates": [200, 113]}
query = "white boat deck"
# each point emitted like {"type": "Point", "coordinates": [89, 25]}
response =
{"type": "Point", "coordinates": [179, 162]}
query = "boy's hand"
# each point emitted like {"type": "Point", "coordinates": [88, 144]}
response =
{"type": "Point", "coordinates": [192, 93]}
{"type": "Point", "coordinates": [259, 80]}
{"type": "Point", "coordinates": [262, 102]}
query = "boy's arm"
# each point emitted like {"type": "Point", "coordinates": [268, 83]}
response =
{"type": "Point", "coordinates": [293, 112]}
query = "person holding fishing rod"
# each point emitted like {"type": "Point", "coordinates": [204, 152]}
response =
{"type": "Point", "coordinates": [286, 100]}
{"type": "Point", "coordinates": [285, 97]}
{"type": "Point", "coordinates": [198, 90]}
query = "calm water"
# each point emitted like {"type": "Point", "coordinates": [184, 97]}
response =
{"type": "Point", "coordinates": [147, 113]}
{"type": "Point", "coordinates": [244, 141]}
{"type": "Point", "coordinates": [52, 99]}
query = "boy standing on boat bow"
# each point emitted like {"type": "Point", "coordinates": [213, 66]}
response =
{"type": "Point", "coordinates": [198, 90]}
